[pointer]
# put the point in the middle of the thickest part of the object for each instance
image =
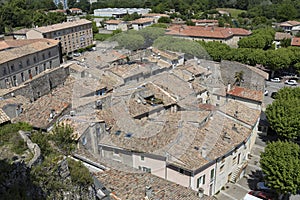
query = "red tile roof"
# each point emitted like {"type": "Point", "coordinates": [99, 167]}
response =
{"type": "Point", "coordinates": [246, 93]}
{"type": "Point", "coordinates": [206, 32]}
{"type": "Point", "coordinates": [142, 20]}
{"type": "Point", "coordinates": [113, 21]}
{"type": "Point", "coordinates": [295, 41]}
{"type": "Point", "coordinates": [290, 23]}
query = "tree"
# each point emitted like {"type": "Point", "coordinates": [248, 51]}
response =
{"type": "Point", "coordinates": [62, 136]}
{"type": "Point", "coordinates": [189, 47]}
{"type": "Point", "coordinates": [164, 20]}
{"type": "Point", "coordinates": [130, 40]}
{"type": "Point", "coordinates": [283, 113]}
{"type": "Point", "coordinates": [239, 78]}
{"type": "Point", "coordinates": [281, 163]}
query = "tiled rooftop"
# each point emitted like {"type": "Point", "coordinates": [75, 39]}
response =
{"type": "Point", "coordinates": [112, 21]}
{"type": "Point", "coordinates": [56, 27]}
{"type": "Point", "coordinates": [281, 36]}
{"type": "Point", "coordinates": [138, 105]}
{"type": "Point", "coordinates": [33, 46]}
{"type": "Point", "coordinates": [295, 41]}
{"type": "Point", "coordinates": [241, 112]}
{"type": "Point", "coordinates": [290, 23]}
{"type": "Point", "coordinates": [3, 117]}
{"type": "Point", "coordinates": [125, 71]}
{"type": "Point", "coordinates": [38, 112]}
{"type": "Point", "coordinates": [142, 21]}
{"type": "Point", "coordinates": [133, 185]}
{"type": "Point", "coordinates": [246, 93]}
{"type": "Point", "coordinates": [166, 54]}
{"type": "Point", "coordinates": [155, 15]}
{"type": "Point", "coordinates": [206, 32]}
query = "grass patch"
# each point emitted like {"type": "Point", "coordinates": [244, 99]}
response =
{"type": "Point", "coordinates": [101, 36]}
{"type": "Point", "coordinates": [233, 12]}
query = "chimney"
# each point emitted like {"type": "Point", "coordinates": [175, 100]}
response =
{"type": "Point", "coordinates": [228, 87]}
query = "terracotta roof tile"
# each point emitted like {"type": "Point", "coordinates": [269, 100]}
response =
{"type": "Point", "coordinates": [56, 27]}
{"type": "Point", "coordinates": [295, 41]}
{"type": "Point", "coordinates": [3, 117]}
{"type": "Point", "coordinates": [113, 22]}
{"type": "Point", "coordinates": [25, 47]}
{"type": "Point", "coordinates": [206, 32]}
{"type": "Point", "coordinates": [142, 20]}
{"type": "Point", "coordinates": [246, 93]}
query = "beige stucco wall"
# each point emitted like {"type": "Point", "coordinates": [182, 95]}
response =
{"type": "Point", "coordinates": [158, 167]}
{"type": "Point", "coordinates": [177, 177]}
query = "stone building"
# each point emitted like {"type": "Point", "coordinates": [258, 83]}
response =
{"type": "Point", "coordinates": [23, 59]}
{"type": "Point", "coordinates": [72, 35]}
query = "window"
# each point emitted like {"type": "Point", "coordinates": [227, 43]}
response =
{"type": "Point", "coordinates": [142, 158]}
{"type": "Point", "coordinates": [212, 175]}
{"type": "Point", "coordinates": [234, 160]}
{"type": "Point", "coordinates": [43, 56]}
{"type": "Point", "coordinates": [34, 59]}
{"type": "Point", "coordinates": [181, 171]}
{"type": "Point", "coordinates": [22, 77]}
{"type": "Point", "coordinates": [201, 181]}
{"type": "Point", "coordinates": [4, 71]}
{"type": "Point", "coordinates": [20, 65]}
{"type": "Point", "coordinates": [28, 62]}
{"type": "Point", "coordinates": [222, 168]}
{"type": "Point", "coordinates": [49, 54]}
{"type": "Point", "coordinates": [36, 70]}
{"type": "Point", "coordinates": [218, 97]}
{"type": "Point", "coordinates": [12, 67]}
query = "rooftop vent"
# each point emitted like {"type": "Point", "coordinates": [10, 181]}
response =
{"type": "Point", "coordinates": [234, 128]}
{"type": "Point", "coordinates": [128, 135]}
{"type": "Point", "coordinates": [72, 113]}
{"type": "Point", "coordinates": [118, 132]}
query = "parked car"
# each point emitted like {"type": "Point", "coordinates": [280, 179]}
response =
{"type": "Point", "coordinates": [273, 95]}
{"type": "Point", "coordinates": [77, 54]}
{"type": "Point", "coordinates": [262, 186]}
{"type": "Point", "coordinates": [263, 195]}
{"type": "Point", "coordinates": [291, 82]}
{"type": "Point", "coordinates": [277, 80]}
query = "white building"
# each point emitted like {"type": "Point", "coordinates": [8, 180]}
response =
{"type": "Point", "coordinates": [119, 12]}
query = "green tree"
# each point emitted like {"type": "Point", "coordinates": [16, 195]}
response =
{"type": "Point", "coordinates": [62, 136]}
{"type": "Point", "coordinates": [281, 164]}
{"type": "Point", "coordinates": [239, 77]}
{"type": "Point", "coordinates": [80, 175]}
{"type": "Point", "coordinates": [189, 47]}
{"type": "Point", "coordinates": [130, 40]}
{"type": "Point", "coordinates": [283, 113]}
{"type": "Point", "coordinates": [164, 20]}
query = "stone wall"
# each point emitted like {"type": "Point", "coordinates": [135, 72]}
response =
{"type": "Point", "coordinates": [34, 148]}
{"type": "Point", "coordinates": [41, 84]}
{"type": "Point", "coordinates": [252, 80]}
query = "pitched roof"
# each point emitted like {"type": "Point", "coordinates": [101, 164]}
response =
{"type": "Point", "coordinates": [246, 93]}
{"type": "Point", "coordinates": [112, 21]}
{"type": "Point", "coordinates": [281, 36]}
{"type": "Point", "coordinates": [155, 15]}
{"type": "Point", "coordinates": [132, 185]}
{"type": "Point", "coordinates": [206, 32]}
{"type": "Point", "coordinates": [295, 41]}
{"type": "Point", "coordinates": [19, 48]}
{"type": "Point", "coordinates": [56, 27]}
{"type": "Point", "coordinates": [142, 21]}
{"type": "Point", "coordinates": [3, 117]}
{"type": "Point", "coordinates": [290, 23]}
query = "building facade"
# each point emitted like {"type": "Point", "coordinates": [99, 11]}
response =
{"type": "Point", "coordinates": [24, 59]}
{"type": "Point", "coordinates": [73, 35]}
